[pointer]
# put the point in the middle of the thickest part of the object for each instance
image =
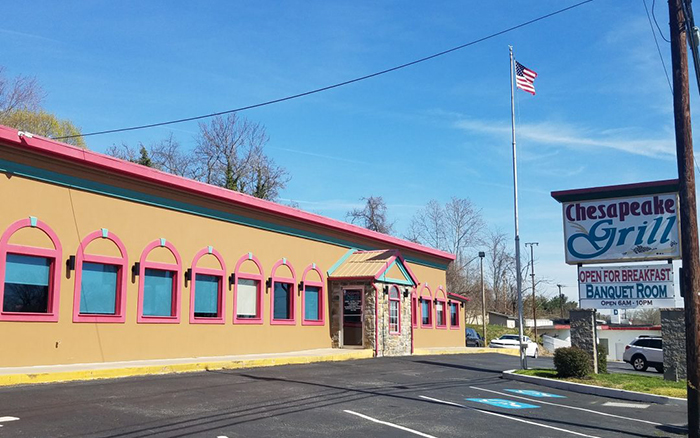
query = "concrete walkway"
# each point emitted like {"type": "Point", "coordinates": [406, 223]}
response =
{"type": "Point", "coordinates": [106, 370]}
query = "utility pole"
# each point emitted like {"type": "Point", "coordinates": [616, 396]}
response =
{"type": "Point", "coordinates": [532, 275]}
{"type": "Point", "coordinates": [482, 254]}
{"type": "Point", "coordinates": [561, 301]}
{"type": "Point", "coordinates": [688, 207]}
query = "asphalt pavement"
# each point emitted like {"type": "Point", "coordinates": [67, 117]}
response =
{"type": "Point", "coordinates": [428, 396]}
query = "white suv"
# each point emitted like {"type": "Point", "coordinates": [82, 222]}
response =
{"type": "Point", "coordinates": [644, 352]}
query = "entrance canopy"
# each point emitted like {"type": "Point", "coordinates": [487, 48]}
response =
{"type": "Point", "coordinates": [380, 265]}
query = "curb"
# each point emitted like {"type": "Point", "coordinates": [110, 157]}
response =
{"type": "Point", "coordinates": [621, 394]}
{"type": "Point", "coordinates": [472, 350]}
{"type": "Point", "coordinates": [148, 370]}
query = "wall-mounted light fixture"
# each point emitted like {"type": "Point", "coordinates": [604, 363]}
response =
{"type": "Point", "coordinates": [188, 276]}
{"type": "Point", "coordinates": [70, 263]}
{"type": "Point", "coordinates": [386, 289]}
{"type": "Point", "coordinates": [268, 283]}
{"type": "Point", "coordinates": [231, 279]}
{"type": "Point", "coordinates": [136, 269]}
{"type": "Point", "coordinates": [405, 292]}
{"type": "Point", "coordinates": [435, 301]}
{"type": "Point", "coordinates": [301, 287]}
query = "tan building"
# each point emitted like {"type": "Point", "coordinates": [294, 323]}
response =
{"type": "Point", "coordinates": [103, 260]}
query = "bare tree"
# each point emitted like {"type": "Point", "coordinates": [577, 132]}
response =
{"type": "Point", "coordinates": [500, 266]}
{"type": "Point", "coordinates": [20, 93]}
{"type": "Point", "coordinates": [230, 153]}
{"type": "Point", "coordinates": [168, 156]}
{"type": "Point", "coordinates": [372, 216]}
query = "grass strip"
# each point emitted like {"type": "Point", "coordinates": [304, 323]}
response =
{"type": "Point", "coordinates": [628, 382]}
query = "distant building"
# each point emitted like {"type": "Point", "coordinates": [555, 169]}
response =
{"type": "Point", "coordinates": [497, 318]}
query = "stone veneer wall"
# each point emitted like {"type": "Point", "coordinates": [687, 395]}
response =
{"type": "Point", "coordinates": [673, 335]}
{"type": "Point", "coordinates": [336, 294]}
{"type": "Point", "coordinates": [583, 333]}
{"type": "Point", "coordinates": [394, 344]}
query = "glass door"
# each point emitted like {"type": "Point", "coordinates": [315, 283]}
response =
{"type": "Point", "coordinates": [352, 317]}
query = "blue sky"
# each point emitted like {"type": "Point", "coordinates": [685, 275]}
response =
{"type": "Point", "coordinates": [602, 114]}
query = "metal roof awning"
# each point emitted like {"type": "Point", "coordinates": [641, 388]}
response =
{"type": "Point", "coordinates": [387, 266]}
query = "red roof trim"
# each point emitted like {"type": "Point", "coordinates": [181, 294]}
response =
{"type": "Point", "coordinates": [457, 297]}
{"type": "Point", "coordinates": [89, 158]}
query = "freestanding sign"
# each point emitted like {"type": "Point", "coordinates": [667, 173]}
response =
{"type": "Point", "coordinates": [634, 228]}
{"type": "Point", "coordinates": [626, 287]}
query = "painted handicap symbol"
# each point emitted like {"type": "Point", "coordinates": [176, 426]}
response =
{"type": "Point", "coordinates": [502, 403]}
{"type": "Point", "coordinates": [532, 393]}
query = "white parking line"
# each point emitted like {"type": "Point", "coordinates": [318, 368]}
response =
{"type": "Point", "coordinates": [386, 423]}
{"type": "Point", "coordinates": [626, 405]}
{"type": "Point", "coordinates": [508, 417]}
{"type": "Point", "coordinates": [568, 407]}
{"type": "Point", "coordinates": [5, 419]}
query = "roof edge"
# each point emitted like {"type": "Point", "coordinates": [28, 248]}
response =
{"type": "Point", "coordinates": [617, 191]}
{"type": "Point", "coordinates": [75, 154]}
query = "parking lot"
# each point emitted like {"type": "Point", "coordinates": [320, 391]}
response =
{"type": "Point", "coordinates": [429, 396]}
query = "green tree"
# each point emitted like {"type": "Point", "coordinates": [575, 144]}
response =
{"type": "Point", "coordinates": [144, 159]}
{"type": "Point", "coordinates": [42, 123]}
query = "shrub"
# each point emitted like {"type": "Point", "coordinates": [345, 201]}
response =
{"type": "Point", "coordinates": [572, 362]}
{"type": "Point", "coordinates": [602, 359]}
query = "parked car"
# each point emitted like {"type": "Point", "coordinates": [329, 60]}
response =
{"type": "Point", "coordinates": [473, 338]}
{"type": "Point", "coordinates": [511, 341]}
{"type": "Point", "coordinates": [644, 352]}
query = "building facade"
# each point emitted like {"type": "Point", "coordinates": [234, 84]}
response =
{"type": "Point", "coordinates": [103, 260]}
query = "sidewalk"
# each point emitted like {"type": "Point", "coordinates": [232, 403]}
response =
{"type": "Point", "coordinates": [463, 350]}
{"type": "Point", "coordinates": [107, 370]}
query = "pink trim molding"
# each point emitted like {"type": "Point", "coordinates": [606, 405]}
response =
{"type": "Point", "coordinates": [176, 268]}
{"type": "Point", "coordinates": [221, 274]}
{"type": "Point", "coordinates": [442, 325]}
{"type": "Point", "coordinates": [56, 254]}
{"type": "Point", "coordinates": [292, 281]}
{"type": "Point", "coordinates": [459, 320]}
{"type": "Point", "coordinates": [430, 306]}
{"type": "Point", "coordinates": [398, 292]}
{"type": "Point", "coordinates": [120, 295]}
{"type": "Point", "coordinates": [260, 278]}
{"type": "Point", "coordinates": [321, 296]}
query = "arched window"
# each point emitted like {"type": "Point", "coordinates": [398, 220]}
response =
{"type": "Point", "coordinates": [248, 304]}
{"type": "Point", "coordinates": [312, 296]}
{"type": "Point", "coordinates": [426, 307]}
{"type": "Point", "coordinates": [206, 278]}
{"type": "Point", "coordinates": [394, 311]}
{"type": "Point", "coordinates": [30, 276]}
{"type": "Point", "coordinates": [100, 279]}
{"type": "Point", "coordinates": [454, 314]}
{"type": "Point", "coordinates": [283, 305]}
{"type": "Point", "coordinates": [159, 284]}
{"type": "Point", "coordinates": [414, 308]}
{"type": "Point", "coordinates": [440, 308]}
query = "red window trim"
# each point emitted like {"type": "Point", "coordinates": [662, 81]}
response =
{"type": "Point", "coordinates": [176, 268]}
{"type": "Point", "coordinates": [260, 278]}
{"type": "Point", "coordinates": [292, 281]}
{"type": "Point", "coordinates": [456, 304]}
{"type": "Point", "coordinates": [54, 272]}
{"type": "Point", "coordinates": [414, 308]}
{"type": "Point", "coordinates": [397, 300]}
{"type": "Point", "coordinates": [321, 296]}
{"type": "Point", "coordinates": [122, 262]}
{"type": "Point", "coordinates": [429, 298]}
{"type": "Point", "coordinates": [221, 274]}
{"type": "Point", "coordinates": [441, 291]}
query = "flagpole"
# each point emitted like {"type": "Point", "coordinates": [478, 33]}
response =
{"type": "Point", "coordinates": [518, 276]}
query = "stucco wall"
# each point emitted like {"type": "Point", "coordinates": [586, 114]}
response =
{"type": "Point", "coordinates": [74, 213]}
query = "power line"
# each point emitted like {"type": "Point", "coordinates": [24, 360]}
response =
{"type": "Point", "coordinates": [658, 49]}
{"type": "Point", "coordinates": [329, 87]}
{"type": "Point", "coordinates": [653, 14]}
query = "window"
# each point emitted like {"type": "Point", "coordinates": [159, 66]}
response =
{"type": "Point", "coordinates": [394, 311]}
{"type": "Point", "coordinates": [248, 291]}
{"type": "Point", "coordinates": [159, 286]}
{"type": "Point", "coordinates": [312, 300]}
{"type": "Point", "coordinates": [207, 297]}
{"type": "Point", "coordinates": [454, 314]}
{"type": "Point", "coordinates": [29, 276]}
{"type": "Point", "coordinates": [100, 280]}
{"type": "Point", "coordinates": [283, 305]}
{"type": "Point", "coordinates": [440, 308]}
{"type": "Point", "coordinates": [426, 300]}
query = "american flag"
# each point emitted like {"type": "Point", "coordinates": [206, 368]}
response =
{"type": "Point", "coordinates": [525, 78]}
